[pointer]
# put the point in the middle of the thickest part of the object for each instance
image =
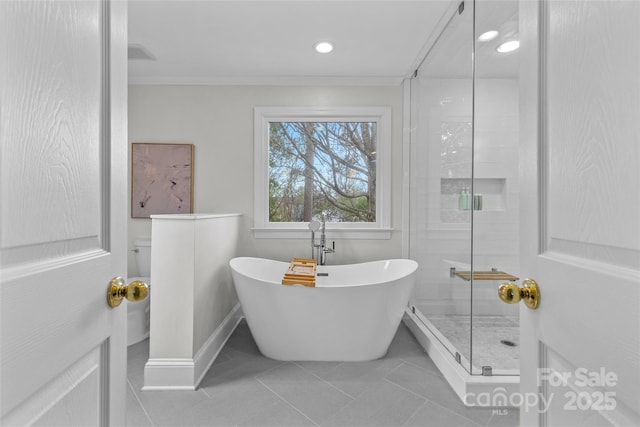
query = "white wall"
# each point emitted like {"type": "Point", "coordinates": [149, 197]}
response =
{"type": "Point", "coordinates": [441, 164]}
{"type": "Point", "coordinates": [218, 120]}
{"type": "Point", "coordinates": [496, 238]}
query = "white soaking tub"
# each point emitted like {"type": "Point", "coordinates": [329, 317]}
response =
{"type": "Point", "coordinates": [352, 313]}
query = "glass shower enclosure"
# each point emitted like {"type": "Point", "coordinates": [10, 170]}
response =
{"type": "Point", "coordinates": [463, 191]}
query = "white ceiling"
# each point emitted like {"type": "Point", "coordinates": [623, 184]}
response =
{"type": "Point", "coordinates": [271, 42]}
{"type": "Point", "coordinates": [451, 56]}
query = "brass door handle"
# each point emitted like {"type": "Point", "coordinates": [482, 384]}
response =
{"type": "Point", "coordinates": [119, 290]}
{"type": "Point", "coordinates": [529, 293]}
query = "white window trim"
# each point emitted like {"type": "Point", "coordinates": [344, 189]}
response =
{"type": "Point", "coordinates": [381, 229]}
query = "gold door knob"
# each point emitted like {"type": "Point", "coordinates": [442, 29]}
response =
{"type": "Point", "coordinates": [118, 290]}
{"type": "Point", "coordinates": [529, 293]}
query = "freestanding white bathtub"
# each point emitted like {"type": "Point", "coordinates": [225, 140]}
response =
{"type": "Point", "coordinates": [352, 314]}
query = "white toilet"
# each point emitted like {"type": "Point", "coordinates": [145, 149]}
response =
{"type": "Point", "coordinates": [138, 312]}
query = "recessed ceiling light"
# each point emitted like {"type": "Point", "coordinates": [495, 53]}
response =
{"type": "Point", "coordinates": [509, 46]}
{"type": "Point", "coordinates": [323, 47]}
{"type": "Point", "coordinates": [489, 35]}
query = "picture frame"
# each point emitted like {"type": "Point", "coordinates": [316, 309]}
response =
{"type": "Point", "coordinates": [161, 179]}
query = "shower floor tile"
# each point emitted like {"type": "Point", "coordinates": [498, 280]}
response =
{"type": "Point", "coordinates": [244, 388]}
{"type": "Point", "coordinates": [491, 338]}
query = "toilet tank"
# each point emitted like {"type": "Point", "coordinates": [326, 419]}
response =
{"type": "Point", "coordinates": [142, 248]}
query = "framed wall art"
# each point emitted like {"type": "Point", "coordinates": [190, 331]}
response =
{"type": "Point", "coordinates": [161, 179]}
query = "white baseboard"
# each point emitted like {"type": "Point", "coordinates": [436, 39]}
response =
{"type": "Point", "coordinates": [209, 351]}
{"type": "Point", "coordinates": [473, 390]}
{"type": "Point", "coordinates": [169, 374]}
{"type": "Point", "coordinates": [185, 373]}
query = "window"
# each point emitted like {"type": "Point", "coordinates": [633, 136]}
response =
{"type": "Point", "coordinates": [313, 163]}
{"type": "Point", "coordinates": [322, 169]}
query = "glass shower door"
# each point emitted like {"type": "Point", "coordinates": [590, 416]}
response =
{"type": "Point", "coordinates": [464, 187]}
{"type": "Point", "coordinates": [441, 185]}
{"type": "Point", "coordinates": [495, 325]}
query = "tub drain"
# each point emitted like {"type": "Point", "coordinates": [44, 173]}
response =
{"type": "Point", "coordinates": [508, 343]}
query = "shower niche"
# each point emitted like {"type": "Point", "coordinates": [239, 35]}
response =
{"type": "Point", "coordinates": [490, 195]}
{"type": "Point", "coordinates": [464, 197]}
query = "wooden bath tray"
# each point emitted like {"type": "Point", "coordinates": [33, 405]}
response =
{"type": "Point", "coordinates": [302, 271]}
{"type": "Point", "coordinates": [486, 275]}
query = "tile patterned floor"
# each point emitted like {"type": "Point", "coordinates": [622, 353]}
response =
{"type": "Point", "coordinates": [244, 388]}
{"type": "Point", "coordinates": [488, 332]}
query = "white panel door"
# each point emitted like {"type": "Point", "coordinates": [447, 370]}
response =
{"type": "Point", "coordinates": [580, 87]}
{"type": "Point", "coordinates": [63, 131]}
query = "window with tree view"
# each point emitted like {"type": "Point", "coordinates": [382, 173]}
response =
{"type": "Point", "coordinates": [322, 168]}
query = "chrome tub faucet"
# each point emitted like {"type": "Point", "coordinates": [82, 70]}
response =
{"type": "Point", "coordinates": [320, 250]}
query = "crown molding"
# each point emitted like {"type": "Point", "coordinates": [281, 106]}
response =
{"type": "Point", "coordinates": [269, 81]}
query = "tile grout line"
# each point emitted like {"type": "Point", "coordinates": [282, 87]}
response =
{"type": "Point", "coordinates": [413, 414]}
{"type": "Point", "coordinates": [404, 388]}
{"type": "Point", "coordinates": [426, 399]}
{"type": "Point", "coordinates": [428, 371]}
{"type": "Point", "coordinates": [287, 402]}
{"type": "Point", "coordinates": [205, 392]}
{"type": "Point", "coordinates": [144, 410]}
{"type": "Point", "coordinates": [325, 381]}
{"type": "Point", "coordinates": [282, 363]}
